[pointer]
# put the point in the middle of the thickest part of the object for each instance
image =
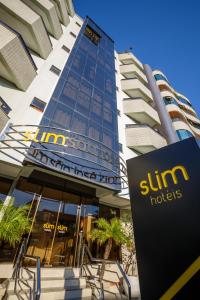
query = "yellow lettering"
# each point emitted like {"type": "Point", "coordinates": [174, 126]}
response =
{"type": "Point", "coordinates": [151, 183]}
{"type": "Point", "coordinates": [143, 185]}
{"type": "Point", "coordinates": [28, 136]}
{"type": "Point", "coordinates": [35, 136]}
{"type": "Point", "coordinates": [172, 172]}
{"type": "Point", "coordinates": [55, 138]}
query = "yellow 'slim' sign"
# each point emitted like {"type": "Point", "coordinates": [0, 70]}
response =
{"type": "Point", "coordinates": [50, 227]}
{"type": "Point", "coordinates": [161, 179]}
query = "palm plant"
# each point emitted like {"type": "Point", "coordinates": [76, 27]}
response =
{"type": "Point", "coordinates": [107, 232]}
{"type": "Point", "coordinates": [14, 222]}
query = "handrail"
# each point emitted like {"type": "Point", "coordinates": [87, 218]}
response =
{"type": "Point", "coordinates": [98, 260]}
{"type": "Point", "coordinates": [36, 291]}
{"type": "Point", "coordinates": [38, 281]}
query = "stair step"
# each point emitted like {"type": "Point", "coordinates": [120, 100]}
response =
{"type": "Point", "coordinates": [58, 272]}
{"type": "Point", "coordinates": [56, 284]}
{"type": "Point", "coordinates": [85, 294]}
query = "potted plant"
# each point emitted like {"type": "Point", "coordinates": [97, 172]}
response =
{"type": "Point", "coordinates": [13, 222]}
{"type": "Point", "coordinates": [106, 233]}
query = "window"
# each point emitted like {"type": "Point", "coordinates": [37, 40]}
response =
{"type": "Point", "coordinates": [55, 70]}
{"type": "Point", "coordinates": [83, 103]}
{"type": "Point", "coordinates": [65, 48]}
{"type": "Point", "coordinates": [94, 132]}
{"type": "Point", "coordinates": [73, 34]}
{"type": "Point", "coordinates": [107, 115]}
{"type": "Point", "coordinates": [89, 71]}
{"type": "Point", "coordinates": [79, 124]}
{"type": "Point", "coordinates": [79, 25]}
{"type": "Point", "coordinates": [38, 104]}
{"type": "Point", "coordinates": [4, 106]}
{"type": "Point", "coordinates": [120, 147]}
{"type": "Point", "coordinates": [78, 62]}
{"type": "Point", "coordinates": [92, 35]}
{"type": "Point", "coordinates": [69, 95]}
{"type": "Point", "coordinates": [62, 116]}
{"type": "Point", "coordinates": [160, 77]}
{"type": "Point", "coordinates": [183, 134]}
{"type": "Point", "coordinates": [117, 89]}
{"type": "Point", "coordinates": [169, 100]}
{"type": "Point", "coordinates": [107, 139]}
{"type": "Point", "coordinates": [119, 112]}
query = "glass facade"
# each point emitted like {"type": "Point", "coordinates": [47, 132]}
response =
{"type": "Point", "coordinates": [84, 104]}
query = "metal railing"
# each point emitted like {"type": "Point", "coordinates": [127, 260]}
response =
{"type": "Point", "coordinates": [85, 271]}
{"type": "Point", "coordinates": [33, 277]}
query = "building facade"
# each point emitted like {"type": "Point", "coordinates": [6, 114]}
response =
{"type": "Point", "coordinates": [72, 111]}
{"type": "Point", "coordinates": [183, 115]}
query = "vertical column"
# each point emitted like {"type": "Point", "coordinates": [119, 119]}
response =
{"type": "Point", "coordinates": [165, 119]}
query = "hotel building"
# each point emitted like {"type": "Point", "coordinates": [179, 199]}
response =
{"type": "Point", "coordinates": [72, 111]}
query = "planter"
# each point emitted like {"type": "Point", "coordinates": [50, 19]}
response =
{"type": "Point", "coordinates": [135, 288]}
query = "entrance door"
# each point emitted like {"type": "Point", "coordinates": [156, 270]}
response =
{"type": "Point", "coordinates": [64, 250]}
{"type": "Point", "coordinates": [45, 214]}
{"type": "Point", "coordinates": [54, 235]}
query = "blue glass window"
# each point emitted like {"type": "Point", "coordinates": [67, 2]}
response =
{"type": "Point", "coordinates": [183, 134]}
{"type": "Point", "coordinates": [79, 124]}
{"type": "Point", "coordinates": [160, 77]}
{"type": "Point", "coordinates": [169, 100]}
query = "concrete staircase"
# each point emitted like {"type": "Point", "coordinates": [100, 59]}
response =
{"type": "Point", "coordinates": [56, 284]}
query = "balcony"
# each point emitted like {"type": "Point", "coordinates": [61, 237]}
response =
{"type": "Point", "coordinates": [47, 11]}
{"type": "Point", "coordinates": [62, 13]}
{"type": "Point", "coordinates": [180, 124]}
{"type": "Point", "coordinates": [131, 71]}
{"type": "Point", "coordinates": [127, 58]}
{"type": "Point", "coordinates": [143, 138]}
{"type": "Point", "coordinates": [134, 88]}
{"type": "Point", "coordinates": [16, 63]}
{"type": "Point", "coordinates": [4, 111]}
{"type": "Point", "coordinates": [140, 111]}
{"type": "Point", "coordinates": [70, 8]}
{"type": "Point", "coordinates": [27, 23]}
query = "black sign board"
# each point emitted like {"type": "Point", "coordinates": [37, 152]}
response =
{"type": "Point", "coordinates": [165, 196]}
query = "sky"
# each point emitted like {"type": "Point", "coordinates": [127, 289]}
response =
{"type": "Point", "coordinates": [163, 34]}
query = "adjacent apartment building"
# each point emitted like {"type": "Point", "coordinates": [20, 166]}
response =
{"type": "Point", "coordinates": [72, 111]}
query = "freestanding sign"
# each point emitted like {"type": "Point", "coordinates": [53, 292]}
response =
{"type": "Point", "coordinates": [165, 196]}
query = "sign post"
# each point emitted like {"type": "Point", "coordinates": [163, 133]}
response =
{"type": "Point", "coordinates": [165, 195]}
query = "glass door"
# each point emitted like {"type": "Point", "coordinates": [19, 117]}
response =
{"type": "Point", "coordinates": [65, 243]}
{"type": "Point", "coordinates": [59, 229]}
{"type": "Point", "coordinates": [42, 234]}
